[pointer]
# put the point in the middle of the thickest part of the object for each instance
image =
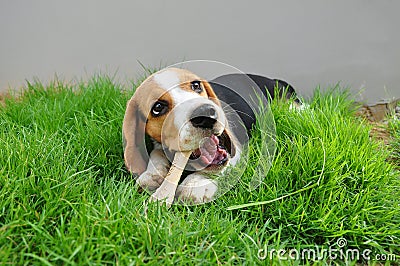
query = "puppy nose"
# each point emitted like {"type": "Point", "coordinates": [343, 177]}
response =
{"type": "Point", "coordinates": [204, 117]}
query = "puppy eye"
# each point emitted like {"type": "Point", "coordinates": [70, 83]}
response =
{"type": "Point", "coordinates": [159, 108]}
{"type": "Point", "coordinates": [196, 86]}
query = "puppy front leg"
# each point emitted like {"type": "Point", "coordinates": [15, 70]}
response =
{"type": "Point", "coordinates": [166, 192]}
{"type": "Point", "coordinates": [156, 171]}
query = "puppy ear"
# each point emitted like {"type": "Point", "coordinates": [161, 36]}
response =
{"type": "Point", "coordinates": [133, 134]}
{"type": "Point", "coordinates": [210, 92]}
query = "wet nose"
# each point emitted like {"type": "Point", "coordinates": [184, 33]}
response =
{"type": "Point", "coordinates": [204, 116]}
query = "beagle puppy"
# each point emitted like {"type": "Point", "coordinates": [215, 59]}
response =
{"type": "Point", "coordinates": [175, 110]}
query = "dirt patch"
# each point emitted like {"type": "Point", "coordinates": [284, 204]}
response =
{"type": "Point", "coordinates": [377, 115]}
{"type": "Point", "coordinates": [380, 132]}
{"type": "Point", "coordinates": [379, 112]}
{"type": "Point", "coordinates": [380, 116]}
{"type": "Point", "coordinates": [3, 97]}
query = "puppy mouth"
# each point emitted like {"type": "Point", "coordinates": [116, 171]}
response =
{"type": "Point", "coordinates": [211, 152]}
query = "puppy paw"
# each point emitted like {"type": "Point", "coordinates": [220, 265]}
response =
{"type": "Point", "coordinates": [196, 189]}
{"type": "Point", "coordinates": [165, 193]}
{"type": "Point", "coordinates": [150, 181]}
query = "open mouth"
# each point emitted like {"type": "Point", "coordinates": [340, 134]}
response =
{"type": "Point", "coordinates": [211, 152]}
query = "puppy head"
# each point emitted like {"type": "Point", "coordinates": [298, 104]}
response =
{"type": "Point", "coordinates": [179, 110]}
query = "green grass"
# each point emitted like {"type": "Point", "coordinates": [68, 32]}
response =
{"type": "Point", "coordinates": [394, 129]}
{"type": "Point", "coordinates": [66, 198]}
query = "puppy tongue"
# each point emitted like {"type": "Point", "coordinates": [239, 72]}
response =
{"type": "Point", "coordinates": [208, 149]}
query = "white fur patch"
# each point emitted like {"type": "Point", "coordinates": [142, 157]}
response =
{"type": "Point", "coordinates": [297, 107]}
{"type": "Point", "coordinates": [167, 79]}
{"type": "Point", "coordinates": [179, 95]}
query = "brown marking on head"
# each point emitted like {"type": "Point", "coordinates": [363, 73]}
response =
{"type": "Point", "coordinates": [210, 93]}
{"type": "Point", "coordinates": [155, 123]}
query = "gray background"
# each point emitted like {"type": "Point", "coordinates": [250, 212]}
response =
{"type": "Point", "coordinates": [307, 43]}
